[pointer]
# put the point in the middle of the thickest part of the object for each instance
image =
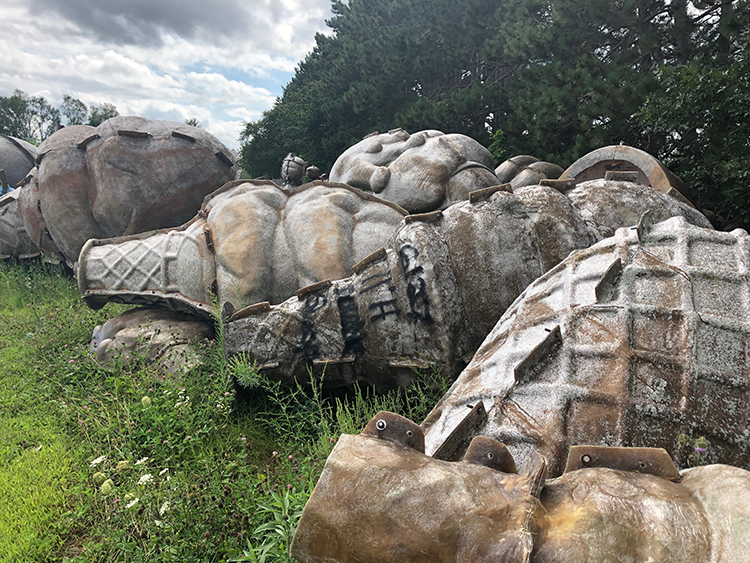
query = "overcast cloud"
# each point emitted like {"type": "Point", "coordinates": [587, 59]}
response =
{"type": "Point", "coordinates": [221, 61]}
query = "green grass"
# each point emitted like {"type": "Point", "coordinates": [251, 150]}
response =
{"type": "Point", "coordinates": [192, 472]}
{"type": "Point", "coordinates": [33, 485]}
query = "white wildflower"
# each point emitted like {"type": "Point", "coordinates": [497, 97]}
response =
{"type": "Point", "coordinates": [163, 471]}
{"type": "Point", "coordinates": [145, 478]}
{"type": "Point", "coordinates": [164, 508]}
{"type": "Point", "coordinates": [98, 460]}
{"type": "Point", "coordinates": [132, 503]}
{"type": "Point", "coordinates": [140, 461]}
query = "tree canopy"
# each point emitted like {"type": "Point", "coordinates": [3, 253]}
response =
{"type": "Point", "coordinates": [700, 118]}
{"type": "Point", "coordinates": [555, 78]}
{"type": "Point", "coordinates": [33, 118]}
{"type": "Point", "coordinates": [103, 112]}
{"type": "Point", "coordinates": [74, 110]}
{"type": "Point", "coordinates": [28, 117]}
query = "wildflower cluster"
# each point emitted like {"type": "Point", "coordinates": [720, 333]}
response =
{"type": "Point", "coordinates": [183, 401]}
{"type": "Point", "coordinates": [114, 479]}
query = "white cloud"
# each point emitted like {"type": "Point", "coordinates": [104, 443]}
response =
{"type": "Point", "coordinates": [228, 129]}
{"type": "Point", "coordinates": [219, 88]}
{"type": "Point", "coordinates": [242, 113]}
{"type": "Point", "coordinates": [205, 64]}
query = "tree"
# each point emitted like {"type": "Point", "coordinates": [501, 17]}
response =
{"type": "Point", "coordinates": [383, 59]}
{"type": "Point", "coordinates": [697, 117]}
{"type": "Point", "coordinates": [700, 116]}
{"type": "Point", "coordinates": [33, 118]}
{"type": "Point", "coordinates": [43, 119]}
{"type": "Point", "coordinates": [307, 120]}
{"type": "Point", "coordinates": [26, 117]}
{"type": "Point", "coordinates": [554, 78]}
{"type": "Point", "coordinates": [74, 110]}
{"type": "Point", "coordinates": [12, 115]}
{"type": "Point", "coordinates": [193, 122]}
{"type": "Point", "coordinates": [719, 24]}
{"type": "Point", "coordinates": [558, 77]}
{"type": "Point", "coordinates": [100, 113]}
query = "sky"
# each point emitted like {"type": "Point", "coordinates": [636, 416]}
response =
{"type": "Point", "coordinates": [222, 62]}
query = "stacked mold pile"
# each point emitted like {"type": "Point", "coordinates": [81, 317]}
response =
{"type": "Point", "coordinates": [127, 175]}
{"type": "Point", "coordinates": [422, 290]}
{"type": "Point", "coordinates": [603, 309]}
{"type": "Point", "coordinates": [16, 160]}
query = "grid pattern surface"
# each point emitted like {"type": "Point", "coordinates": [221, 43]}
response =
{"type": "Point", "coordinates": [170, 264]}
{"type": "Point", "coordinates": [655, 327]}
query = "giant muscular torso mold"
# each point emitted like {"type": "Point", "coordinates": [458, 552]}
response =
{"type": "Point", "coordinates": [431, 297]}
{"type": "Point", "coordinates": [634, 341]}
{"type": "Point", "coordinates": [251, 242]}
{"type": "Point", "coordinates": [421, 172]}
{"type": "Point", "coordinates": [427, 300]}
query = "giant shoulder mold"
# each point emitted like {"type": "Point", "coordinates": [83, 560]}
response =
{"type": "Point", "coordinates": [379, 501]}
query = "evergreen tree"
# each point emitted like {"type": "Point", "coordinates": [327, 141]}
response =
{"type": "Point", "coordinates": [389, 63]}
{"type": "Point", "coordinates": [700, 119]}
{"type": "Point", "coordinates": [554, 78]}
{"type": "Point", "coordinates": [584, 70]}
